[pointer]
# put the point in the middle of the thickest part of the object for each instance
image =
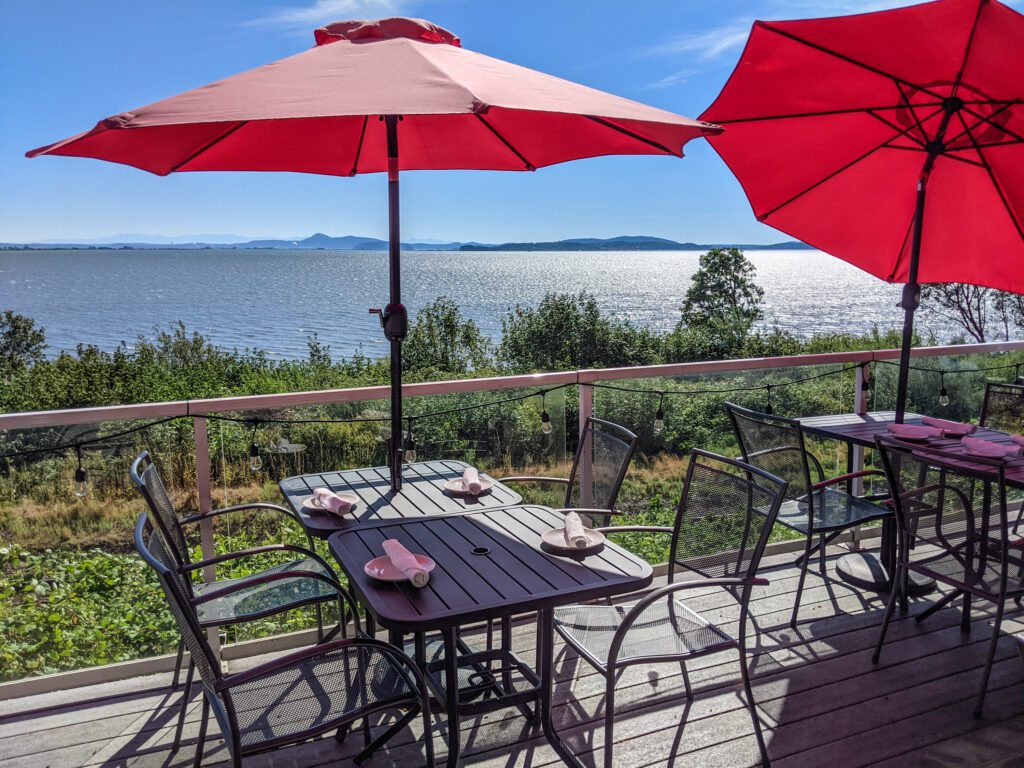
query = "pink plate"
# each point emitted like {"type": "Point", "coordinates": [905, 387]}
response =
{"type": "Point", "coordinates": [383, 569]}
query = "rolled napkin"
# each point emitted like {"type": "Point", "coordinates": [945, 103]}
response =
{"type": "Point", "coordinates": [471, 480]}
{"type": "Point", "coordinates": [951, 428]}
{"type": "Point", "coordinates": [979, 447]}
{"type": "Point", "coordinates": [329, 500]}
{"type": "Point", "coordinates": [914, 431]}
{"type": "Point", "coordinates": [1018, 439]}
{"type": "Point", "coordinates": [406, 562]}
{"type": "Point", "coordinates": [575, 533]}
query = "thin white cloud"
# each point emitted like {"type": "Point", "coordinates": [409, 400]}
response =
{"type": "Point", "coordinates": [676, 78]}
{"type": "Point", "coordinates": [325, 11]}
{"type": "Point", "coordinates": [709, 45]}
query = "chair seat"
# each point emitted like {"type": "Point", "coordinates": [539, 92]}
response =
{"type": "Point", "coordinates": [980, 578]}
{"type": "Point", "coordinates": [666, 628]}
{"type": "Point", "coordinates": [834, 510]}
{"type": "Point", "coordinates": [262, 598]}
{"type": "Point", "coordinates": [316, 695]}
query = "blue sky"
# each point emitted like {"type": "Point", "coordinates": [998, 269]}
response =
{"type": "Point", "coordinates": [65, 65]}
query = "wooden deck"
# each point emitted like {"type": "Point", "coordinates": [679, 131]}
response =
{"type": "Point", "coordinates": [823, 703]}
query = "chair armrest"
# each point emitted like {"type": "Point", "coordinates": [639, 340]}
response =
{"type": "Point", "coordinates": [641, 606]}
{"type": "Point", "coordinates": [238, 554]}
{"type": "Point", "coordinates": [192, 519]}
{"type": "Point", "coordinates": [414, 678]}
{"type": "Point", "coordinates": [533, 479]}
{"type": "Point", "coordinates": [592, 511]}
{"type": "Point", "coordinates": [267, 578]}
{"type": "Point", "coordinates": [635, 529]}
{"type": "Point", "coordinates": [847, 476]}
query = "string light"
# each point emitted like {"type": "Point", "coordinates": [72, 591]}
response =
{"type": "Point", "coordinates": [81, 477]}
{"type": "Point", "coordinates": [545, 419]}
{"type": "Point", "coordinates": [255, 460]}
{"type": "Point", "coordinates": [943, 393]}
{"type": "Point", "coordinates": [768, 405]}
{"type": "Point", "coordinates": [410, 445]}
{"type": "Point", "coordinates": [659, 417]}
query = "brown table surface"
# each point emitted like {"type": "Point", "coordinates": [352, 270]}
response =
{"type": "Point", "coordinates": [422, 495]}
{"type": "Point", "coordinates": [861, 429]}
{"type": "Point", "coordinates": [514, 576]}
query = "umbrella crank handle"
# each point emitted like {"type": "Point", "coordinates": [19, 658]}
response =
{"type": "Point", "coordinates": [394, 320]}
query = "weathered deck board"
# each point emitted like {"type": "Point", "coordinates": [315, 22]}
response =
{"type": "Point", "coordinates": [820, 698]}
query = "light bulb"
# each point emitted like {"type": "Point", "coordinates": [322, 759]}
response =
{"type": "Point", "coordinates": [255, 461]}
{"type": "Point", "coordinates": [943, 397]}
{"type": "Point", "coordinates": [545, 423]}
{"type": "Point", "coordinates": [768, 409]}
{"type": "Point", "coordinates": [410, 454]}
{"type": "Point", "coordinates": [81, 482]}
{"type": "Point", "coordinates": [659, 422]}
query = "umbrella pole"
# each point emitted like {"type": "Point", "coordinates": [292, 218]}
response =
{"type": "Point", "coordinates": [394, 318]}
{"type": "Point", "coordinates": [910, 301]}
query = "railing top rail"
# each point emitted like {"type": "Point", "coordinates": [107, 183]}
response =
{"type": "Point", "coordinates": [35, 419]}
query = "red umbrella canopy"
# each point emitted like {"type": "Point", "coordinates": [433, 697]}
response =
{"type": "Point", "coordinates": [319, 112]}
{"type": "Point", "coordinates": [830, 123]}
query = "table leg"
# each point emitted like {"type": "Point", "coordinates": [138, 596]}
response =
{"type": "Point", "coordinates": [545, 662]}
{"type": "Point", "coordinates": [451, 691]}
{"type": "Point", "coordinates": [864, 570]}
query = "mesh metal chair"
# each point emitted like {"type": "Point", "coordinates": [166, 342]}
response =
{"type": "Point", "coordinates": [1003, 409]}
{"type": "Point", "coordinates": [296, 697]}
{"type": "Point", "coordinates": [722, 524]}
{"type": "Point", "coordinates": [814, 508]}
{"type": "Point", "coordinates": [598, 469]}
{"type": "Point", "coordinates": [294, 583]}
{"type": "Point", "coordinates": [945, 534]}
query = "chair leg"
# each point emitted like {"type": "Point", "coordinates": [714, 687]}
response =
{"type": "Point", "coordinates": [800, 583]}
{"type": "Point", "coordinates": [320, 622]}
{"type": "Point", "coordinates": [938, 605]}
{"type": "Point", "coordinates": [385, 737]}
{"type": "Point", "coordinates": [965, 617]}
{"type": "Point", "coordinates": [889, 608]}
{"type": "Point", "coordinates": [996, 628]}
{"type": "Point", "coordinates": [175, 681]}
{"type": "Point", "coordinates": [201, 742]}
{"type": "Point", "coordinates": [185, 696]}
{"type": "Point", "coordinates": [609, 719]}
{"type": "Point", "coordinates": [686, 680]}
{"type": "Point", "coordinates": [752, 706]}
{"type": "Point", "coordinates": [821, 555]}
{"type": "Point", "coordinates": [1020, 517]}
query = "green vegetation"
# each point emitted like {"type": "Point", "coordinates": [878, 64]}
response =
{"type": "Point", "coordinates": [73, 594]}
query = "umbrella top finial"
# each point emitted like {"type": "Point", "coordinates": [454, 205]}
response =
{"type": "Point", "coordinates": [385, 29]}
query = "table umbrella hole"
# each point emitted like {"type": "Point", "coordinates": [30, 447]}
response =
{"type": "Point", "coordinates": [481, 550]}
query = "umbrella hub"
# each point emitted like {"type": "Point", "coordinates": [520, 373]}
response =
{"type": "Point", "coordinates": [359, 31]}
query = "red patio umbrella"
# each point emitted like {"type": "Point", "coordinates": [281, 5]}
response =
{"type": "Point", "coordinates": [344, 107]}
{"type": "Point", "coordinates": [892, 140]}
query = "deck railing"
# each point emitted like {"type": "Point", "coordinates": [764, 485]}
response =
{"type": "Point", "coordinates": [199, 410]}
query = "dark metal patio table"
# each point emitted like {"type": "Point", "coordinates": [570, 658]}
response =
{"type": "Point", "coordinates": [489, 564]}
{"type": "Point", "coordinates": [422, 495]}
{"type": "Point", "coordinates": [862, 568]}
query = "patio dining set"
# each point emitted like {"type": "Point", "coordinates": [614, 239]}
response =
{"type": "Point", "coordinates": [481, 557]}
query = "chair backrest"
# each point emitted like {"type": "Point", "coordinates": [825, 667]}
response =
{"type": "Point", "coordinates": [600, 464]}
{"type": "Point", "coordinates": [775, 445]}
{"type": "Point", "coordinates": [948, 501]}
{"type": "Point", "coordinates": [1003, 407]}
{"type": "Point", "coordinates": [724, 518]}
{"type": "Point", "coordinates": [164, 517]}
{"type": "Point", "coordinates": [152, 546]}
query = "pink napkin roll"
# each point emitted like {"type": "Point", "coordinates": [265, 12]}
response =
{"type": "Point", "coordinates": [951, 428]}
{"type": "Point", "coordinates": [328, 499]}
{"type": "Point", "coordinates": [575, 533]}
{"type": "Point", "coordinates": [914, 431]}
{"type": "Point", "coordinates": [979, 447]}
{"type": "Point", "coordinates": [471, 480]}
{"type": "Point", "coordinates": [1018, 439]}
{"type": "Point", "coordinates": [406, 562]}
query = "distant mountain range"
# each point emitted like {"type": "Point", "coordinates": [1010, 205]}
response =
{"type": "Point", "coordinates": [320, 241]}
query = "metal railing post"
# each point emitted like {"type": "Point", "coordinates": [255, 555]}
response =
{"type": "Point", "coordinates": [585, 468]}
{"type": "Point", "coordinates": [202, 446]}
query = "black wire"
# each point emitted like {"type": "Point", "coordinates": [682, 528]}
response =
{"type": "Point", "coordinates": [79, 444]}
{"type": "Point", "coordinates": [954, 370]}
{"type": "Point", "coordinates": [724, 391]}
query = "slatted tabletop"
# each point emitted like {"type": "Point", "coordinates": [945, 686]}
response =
{"type": "Point", "coordinates": [515, 575]}
{"type": "Point", "coordinates": [422, 495]}
{"type": "Point", "coordinates": [861, 429]}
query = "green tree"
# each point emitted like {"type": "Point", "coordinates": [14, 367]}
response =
{"type": "Point", "coordinates": [21, 342]}
{"type": "Point", "coordinates": [441, 339]}
{"type": "Point", "coordinates": [569, 331]}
